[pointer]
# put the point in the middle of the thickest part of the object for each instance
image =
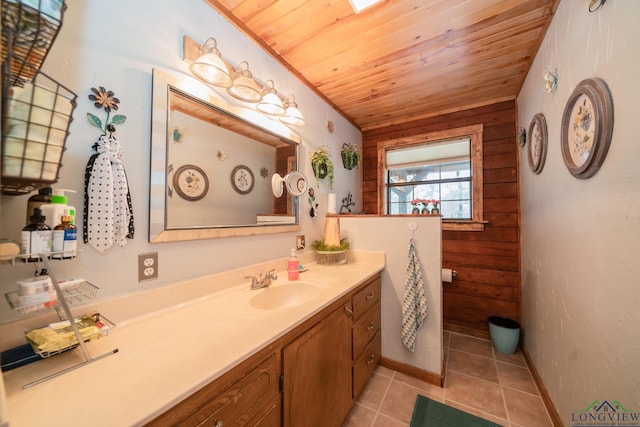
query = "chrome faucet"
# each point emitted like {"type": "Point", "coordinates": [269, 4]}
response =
{"type": "Point", "coordinates": [262, 282]}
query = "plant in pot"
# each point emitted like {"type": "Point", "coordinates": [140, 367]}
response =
{"type": "Point", "coordinates": [350, 155]}
{"type": "Point", "coordinates": [322, 165]}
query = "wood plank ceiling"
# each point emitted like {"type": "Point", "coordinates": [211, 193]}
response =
{"type": "Point", "coordinates": [402, 59]}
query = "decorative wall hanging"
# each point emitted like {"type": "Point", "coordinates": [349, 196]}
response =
{"type": "Point", "coordinates": [594, 5]}
{"type": "Point", "coordinates": [587, 127]}
{"type": "Point", "coordinates": [537, 143]}
{"type": "Point", "coordinates": [347, 202]}
{"type": "Point", "coordinates": [522, 137]}
{"type": "Point", "coordinates": [264, 172]}
{"type": "Point", "coordinates": [242, 179]}
{"type": "Point", "coordinates": [550, 80]}
{"type": "Point", "coordinates": [108, 214]}
{"type": "Point", "coordinates": [177, 135]}
{"type": "Point", "coordinates": [312, 202]}
{"type": "Point", "coordinates": [350, 155]}
{"type": "Point", "coordinates": [322, 165]}
{"type": "Point", "coordinates": [191, 182]}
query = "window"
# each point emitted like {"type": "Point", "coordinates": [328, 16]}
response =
{"type": "Point", "coordinates": [445, 166]}
{"type": "Point", "coordinates": [440, 171]}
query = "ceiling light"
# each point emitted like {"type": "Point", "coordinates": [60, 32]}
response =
{"type": "Point", "coordinates": [360, 5]}
{"type": "Point", "coordinates": [292, 116]}
{"type": "Point", "coordinates": [244, 87]}
{"type": "Point", "coordinates": [210, 67]}
{"type": "Point", "coordinates": [271, 103]}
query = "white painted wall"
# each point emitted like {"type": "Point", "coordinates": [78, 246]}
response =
{"type": "Point", "coordinates": [116, 44]}
{"type": "Point", "coordinates": [392, 235]}
{"type": "Point", "coordinates": [581, 238]}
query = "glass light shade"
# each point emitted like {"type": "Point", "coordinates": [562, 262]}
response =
{"type": "Point", "coordinates": [244, 87]}
{"type": "Point", "coordinates": [271, 104]}
{"type": "Point", "coordinates": [210, 67]}
{"type": "Point", "coordinates": [292, 116]}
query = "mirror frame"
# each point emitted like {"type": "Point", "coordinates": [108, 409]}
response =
{"type": "Point", "coordinates": [158, 232]}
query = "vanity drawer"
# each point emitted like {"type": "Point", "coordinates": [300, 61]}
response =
{"type": "Point", "coordinates": [364, 366]}
{"type": "Point", "coordinates": [366, 298]}
{"type": "Point", "coordinates": [252, 398]}
{"type": "Point", "coordinates": [245, 400]}
{"type": "Point", "coordinates": [365, 328]}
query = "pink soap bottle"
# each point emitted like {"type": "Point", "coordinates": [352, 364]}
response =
{"type": "Point", "coordinates": [293, 266]}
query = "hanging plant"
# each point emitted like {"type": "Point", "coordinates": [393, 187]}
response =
{"type": "Point", "coordinates": [350, 155]}
{"type": "Point", "coordinates": [322, 165]}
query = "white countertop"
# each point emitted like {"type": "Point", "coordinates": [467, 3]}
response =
{"type": "Point", "coordinates": [169, 353]}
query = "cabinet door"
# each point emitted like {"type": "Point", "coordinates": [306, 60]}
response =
{"type": "Point", "coordinates": [317, 374]}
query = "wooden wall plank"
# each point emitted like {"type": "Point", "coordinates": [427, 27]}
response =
{"type": "Point", "coordinates": [487, 262]}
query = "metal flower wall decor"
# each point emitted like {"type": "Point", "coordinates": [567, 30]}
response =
{"type": "Point", "coordinates": [108, 213]}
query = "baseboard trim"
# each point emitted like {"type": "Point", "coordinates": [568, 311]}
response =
{"type": "Point", "coordinates": [412, 371]}
{"type": "Point", "coordinates": [546, 397]}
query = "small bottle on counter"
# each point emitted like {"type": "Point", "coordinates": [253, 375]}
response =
{"type": "Point", "coordinates": [65, 237]}
{"type": "Point", "coordinates": [36, 237]}
{"type": "Point", "coordinates": [293, 266]}
{"type": "Point", "coordinates": [37, 200]}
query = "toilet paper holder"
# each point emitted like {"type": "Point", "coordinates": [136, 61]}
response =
{"type": "Point", "coordinates": [448, 275]}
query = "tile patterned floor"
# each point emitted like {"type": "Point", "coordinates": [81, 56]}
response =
{"type": "Point", "coordinates": [479, 380]}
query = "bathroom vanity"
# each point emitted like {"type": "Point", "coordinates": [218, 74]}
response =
{"type": "Point", "coordinates": [222, 353]}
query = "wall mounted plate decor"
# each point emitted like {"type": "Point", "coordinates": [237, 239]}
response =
{"type": "Point", "coordinates": [190, 182]}
{"type": "Point", "coordinates": [537, 143]}
{"type": "Point", "coordinates": [242, 179]}
{"type": "Point", "coordinates": [587, 127]}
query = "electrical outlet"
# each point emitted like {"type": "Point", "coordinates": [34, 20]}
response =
{"type": "Point", "coordinates": [300, 243]}
{"type": "Point", "coordinates": [147, 266]}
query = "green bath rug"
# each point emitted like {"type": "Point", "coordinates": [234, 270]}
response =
{"type": "Point", "coordinates": [429, 413]}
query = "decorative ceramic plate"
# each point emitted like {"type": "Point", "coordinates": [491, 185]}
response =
{"type": "Point", "coordinates": [242, 179]}
{"type": "Point", "coordinates": [190, 182]}
{"type": "Point", "coordinates": [538, 143]}
{"type": "Point", "coordinates": [587, 127]}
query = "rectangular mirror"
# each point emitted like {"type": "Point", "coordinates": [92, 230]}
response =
{"type": "Point", "coordinates": [212, 164]}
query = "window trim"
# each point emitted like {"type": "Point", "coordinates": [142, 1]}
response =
{"type": "Point", "coordinates": [474, 132]}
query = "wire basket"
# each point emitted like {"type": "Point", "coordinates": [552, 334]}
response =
{"type": "Point", "coordinates": [29, 28]}
{"type": "Point", "coordinates": [36, 115]}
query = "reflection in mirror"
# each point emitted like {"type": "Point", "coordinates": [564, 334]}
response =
{"type": "Point", "coordinates": [212, 165]}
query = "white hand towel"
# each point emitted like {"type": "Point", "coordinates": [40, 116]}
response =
{"type": "Point", "coordinates": [108, 213]}
{"type": "Point", "coordinates": [414, 306]}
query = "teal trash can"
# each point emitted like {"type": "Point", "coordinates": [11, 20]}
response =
{"type": "Point", "coordinates": [505, 334]}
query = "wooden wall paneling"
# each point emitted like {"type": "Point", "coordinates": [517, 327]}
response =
{"type": "Point", "coordinates": [487, 262]}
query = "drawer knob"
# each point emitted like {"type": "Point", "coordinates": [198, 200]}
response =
{"type": "Point", "coordinates": [218, 424]}
{"type": "Point", "coordinates": [371, 359]}
{"type": "Point", "coordinates": [370, 296]}
{"type": "Point", "coordinates": [349, 311]}
{"type": "Point", "coordinates": [371, 325]}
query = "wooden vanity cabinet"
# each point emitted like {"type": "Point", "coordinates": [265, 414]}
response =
{"type": "Point", "coordinates": [316, 370]}
{"type": "Point", "coordinates": [366, 335]}
{"type": "Point", "coordinates": [247, 395]}
{"type": "Point", "coordinates": [311, 376]}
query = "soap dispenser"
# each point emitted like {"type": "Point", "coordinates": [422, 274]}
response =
{"type": "Point", "coordinates": [293, 266]}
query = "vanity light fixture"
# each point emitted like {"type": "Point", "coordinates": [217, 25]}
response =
{"type": "Point", "coordinates": [210, 67]}
{"type": "Point", "coordinates": [271, 103]}
{"type": "Point", "coordinates": [292, 116]}
{"type": "Point", "coordinates": [244, 87]}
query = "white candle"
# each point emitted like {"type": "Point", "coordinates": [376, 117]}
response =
{"type": "Point", "coordinates": [331, 203]}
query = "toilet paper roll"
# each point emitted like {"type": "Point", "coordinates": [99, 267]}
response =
{"type": "Point", "coordinates": [331, 203]}
{"type": "Point", "coordinates": [447, 275]}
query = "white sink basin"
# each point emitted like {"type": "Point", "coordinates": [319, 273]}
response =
{"type": "Point", "coordinates": [285, 295]}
